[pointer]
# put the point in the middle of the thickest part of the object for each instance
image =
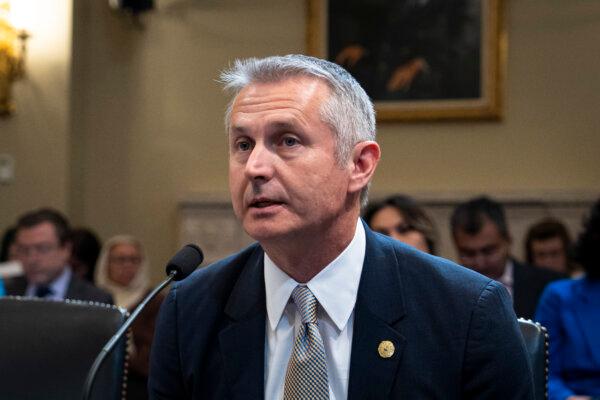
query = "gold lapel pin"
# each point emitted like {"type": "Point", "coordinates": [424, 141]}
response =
{"type": "Point", "coordinates": [386, 349]}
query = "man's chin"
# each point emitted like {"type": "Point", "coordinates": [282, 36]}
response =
{"type": "Point", "coordinates": [264, 231]}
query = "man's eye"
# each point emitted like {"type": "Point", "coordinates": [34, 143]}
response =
{"type": "Point", "coordinates": [290, 141]}
{"type": "Point", "coordinates": [488, 251]}
{"type": "Point", "coordinates": [243, 145]}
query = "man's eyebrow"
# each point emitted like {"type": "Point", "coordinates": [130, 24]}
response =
{"type": "Point", "coordinates": [237, 129]}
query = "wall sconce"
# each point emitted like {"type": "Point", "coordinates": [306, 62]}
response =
{"type": "Point", "coordinates": [13, 48]}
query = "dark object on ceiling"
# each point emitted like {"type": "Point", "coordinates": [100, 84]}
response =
{"type": "Point", "coordinates": [133, 6]}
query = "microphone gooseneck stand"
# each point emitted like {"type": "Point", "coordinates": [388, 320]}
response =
{"type": "Point", "coordinates": [89, 381]}
{"type": "Point", "coordinates": [183, 263]}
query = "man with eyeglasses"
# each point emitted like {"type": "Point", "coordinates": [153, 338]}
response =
{"type": "Point", "coordinates": [482, 242]}
{"type": "Point", "coordinates": [43, 248]}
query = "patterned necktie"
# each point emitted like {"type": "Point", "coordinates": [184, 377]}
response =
{"type": "Point", "coordinates": [306, 375]}
{"type": "Point", "coordinates": [43, 291]}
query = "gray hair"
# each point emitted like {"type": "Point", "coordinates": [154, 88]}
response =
{"type": "Point", "coordinates": [348, 111]}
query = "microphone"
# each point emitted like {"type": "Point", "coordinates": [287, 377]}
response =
{"type": "Point", "coordinates": [183, 263]}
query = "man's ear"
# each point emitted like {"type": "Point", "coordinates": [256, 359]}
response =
{"type": "Point", "coordinates": [365, 157]}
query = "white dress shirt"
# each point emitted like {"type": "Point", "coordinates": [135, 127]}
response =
{"type": "Point", "coordinates": [507, 278]}
{"type": "Point", "coordinates": [58, 286]}
{"type": "Point", "coordinates": [335, 288]}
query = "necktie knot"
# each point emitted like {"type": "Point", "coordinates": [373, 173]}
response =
{"type": "Point", "coordinates": [306, 302]}
{"type": "Point", "coordinates": [43, 291]}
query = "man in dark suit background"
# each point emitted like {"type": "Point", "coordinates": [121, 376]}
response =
{"type": "Point", "coordinates": [43, 248]}
{"type": "Point", "coordinates": [321, 307]}
{"type": "Point", "coordinates": [482, 242]}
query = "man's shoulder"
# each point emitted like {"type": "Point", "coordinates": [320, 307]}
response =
{"type": "Point", "coordinates": [15, 286]}
{"type": "Point", "coordinates": [565, 288]}
{"type": "Point", "coordinates": [219, 277]}
{"type": "Point", "coordinates": [80, 289]}
{"type": "Point", "coordinates": [420, 269]}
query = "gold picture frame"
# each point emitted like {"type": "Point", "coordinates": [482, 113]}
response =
{"type": "Point", "coordinates": [448, 92]}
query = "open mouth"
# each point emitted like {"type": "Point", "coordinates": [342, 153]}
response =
{"type": "Point", "coordinates": [264, 203]}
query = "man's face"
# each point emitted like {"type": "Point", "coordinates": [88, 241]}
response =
{"type": "Point", "coordinates": [485, 252]}
{"type": "Point", "coordinates": [40, 252]}
{"type": "Point", "coordinates": [284, 179]}
{"type": "Point", "coordinates": [549, 253]}
{"type": "Point", "coordinates": [389, 221]}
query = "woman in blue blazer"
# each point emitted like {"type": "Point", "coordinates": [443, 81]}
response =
{"type": "Point", "coordinates": [570, 310]}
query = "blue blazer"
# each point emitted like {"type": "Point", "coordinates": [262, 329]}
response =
{"type": "Point", "coordinates": [454, 331]}
{"type": "Point", "coordinates": [570, 310]}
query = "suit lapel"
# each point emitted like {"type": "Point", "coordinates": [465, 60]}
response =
{"type": "Point", "coordinates": [379, 306]}
{"type": "Point", "coordinates": [520, 289]}
{"type": "Point", "coordinates": [242, 340]}
{"type": "Point", "coordinates": [74, 290]}
{"type": "Point", "coordinates": [589, 319]}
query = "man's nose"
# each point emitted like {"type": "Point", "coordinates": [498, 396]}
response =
{"type": "Point", "coordinates": [260, 163]}
{"type": "Point", "coordinates": [30, 259]}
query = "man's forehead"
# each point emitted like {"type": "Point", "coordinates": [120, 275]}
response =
{"type": "Point", "coordinates": [299, 89]}
{"type": "Point", "coordinates": [43, 230]}
{"type": "Point", "coordinates": [287, 102]}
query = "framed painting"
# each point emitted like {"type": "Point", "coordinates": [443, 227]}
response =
{"type": "Point", "coordinates": [417, 59]}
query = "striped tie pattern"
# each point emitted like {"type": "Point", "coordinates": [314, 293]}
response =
{"type": "Point", "coordinates": [306, 375]}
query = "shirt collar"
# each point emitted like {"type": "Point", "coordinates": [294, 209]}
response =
{"type": "Point", "coordinates": [507, 277]}
{"type": "Point", "coordinates": [58, 286]}
{"type": "Point", "coordinates": [335, 287]}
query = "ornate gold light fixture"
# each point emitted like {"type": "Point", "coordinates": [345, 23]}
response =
{"type": "Point", "coordinates": [12, 58]}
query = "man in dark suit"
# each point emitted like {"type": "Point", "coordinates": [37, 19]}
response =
{"type": "Point", "coordinates": [321, 307]}
{"type": "Point", "coordinates": [43, 248]}
{"type": "Point", "coordinates": [482, 242]}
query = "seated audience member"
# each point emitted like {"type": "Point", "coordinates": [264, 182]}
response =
{"type": "Point", "coordinates": [547, 245]}
{"type": "Point", "coordinates": [6, 255]}
{"type": "Point", "coordinates": [401, 218]}
{"type": "Point", "coordinates": [482, 241]}
{"type": "Point", "coordinates": [7, 251]}
{"type": "Point", "coordinates": [570, 310]}
{"type": "Point", "coordinates": [84, 253]}
{"type": "Point", "coordinates": [9, 266]}
{"type": "Point", "coordinates": [122, 270]}
{"type": "Point", "coordinates": [43, 247]}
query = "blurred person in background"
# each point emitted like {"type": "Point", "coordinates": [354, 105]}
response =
{"type": "Point", "coordinates": [9, 266]}
{"type": "Point", "coordinates": [43, 247]}
{"type": "Point", "coordinates": [8, 248]}
{"type": "Point", "coordinates": [547, 245]}
{"type": "Point", "coordinates": [84, 253]}
{"type": "Point", "coordinates": [482, 240]}
{"type": "Point", "coordinates": [123, 271]}
{"type": "Point", "coordinates": [400, 217]}
{"type": "Point", "coordinates": [570, 310]}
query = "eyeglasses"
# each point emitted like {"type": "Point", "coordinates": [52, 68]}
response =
{"type": "Point", "coordinates": [488, 253]}
{"type": "Point", "coordinates": [125, 259]}
{"type": "Point", "coordinates": [40, 249]}
{"type": "Point", "coordinates": [402, 228]}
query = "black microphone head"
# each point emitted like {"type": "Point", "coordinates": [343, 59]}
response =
{"type": "Point", "coordinates": [185, 261]}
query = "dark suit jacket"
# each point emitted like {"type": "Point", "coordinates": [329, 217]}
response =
{"type": "Point", "coordinates": [77, 290]}
{"type": "Point", "coordinates": [528, 284]}
{"type": "Point", "coordinates": [454, 331]}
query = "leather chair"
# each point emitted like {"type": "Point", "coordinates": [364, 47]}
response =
{"type": "Point", "coordinates": [536, 342]}
{"type": "Point", "coordinates": [47, 348]}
